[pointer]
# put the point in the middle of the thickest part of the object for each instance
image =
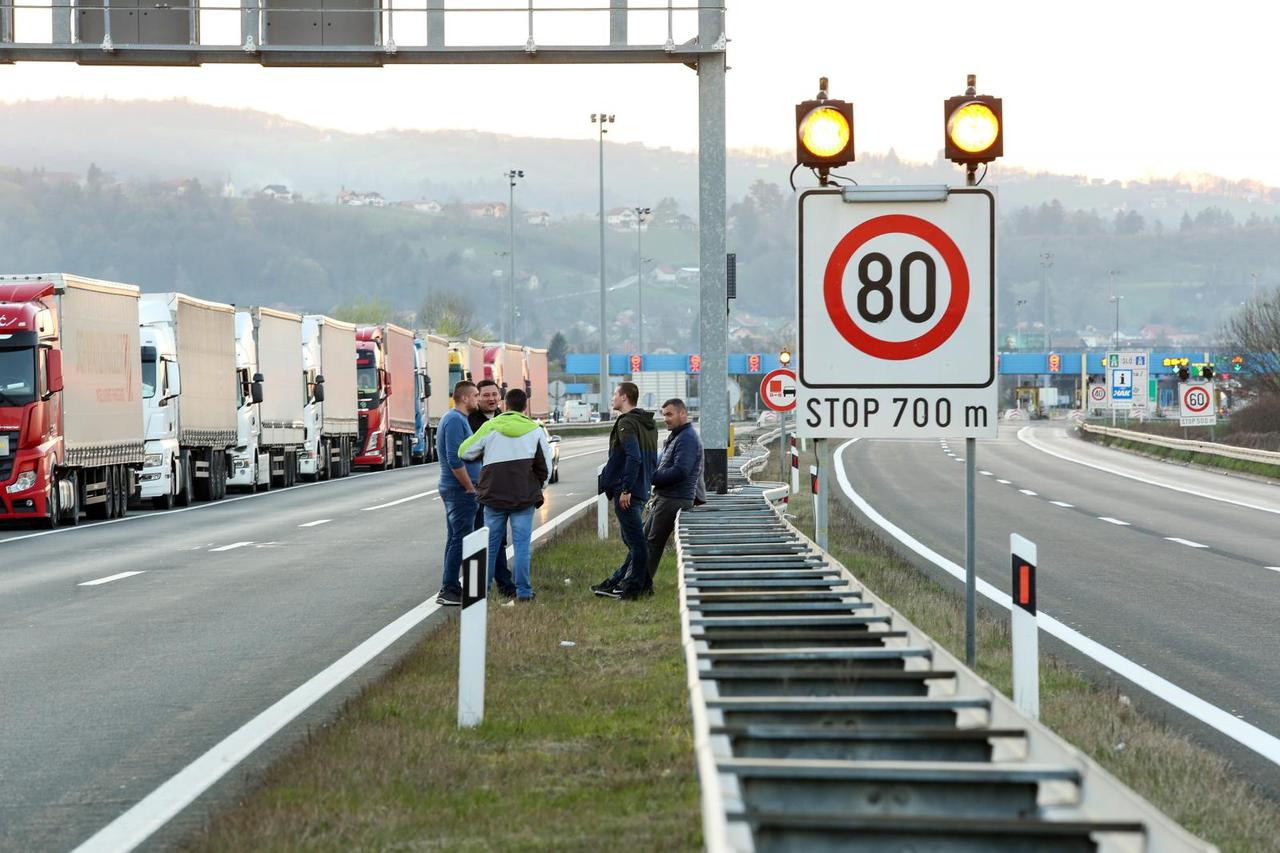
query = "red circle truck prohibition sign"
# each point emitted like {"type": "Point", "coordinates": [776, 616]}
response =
{"type": "Point", "coordinates": [934, 337]}
{"type": "Point", "coordinates": [778, 390]}
{"type": "Point", "coordinates": [1195, 399]}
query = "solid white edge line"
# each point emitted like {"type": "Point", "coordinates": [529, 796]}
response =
{"type": "Point", "coordinates": [316, 523]}
{"type": "Point", "coordinates": [401, 501]}
{"type": "Point", "coordinates": [110, 578]}
{"type": "Point", "coordinates": [1186, 542]}
{"type": "Point", "coordinates": [1035, 444]}
{"type": "Point", "coordinates": [1250, 736]}
{"type": "Point", "coordinates": [160, 806]}
{"type": "Point", "coordinates": [231, 547]}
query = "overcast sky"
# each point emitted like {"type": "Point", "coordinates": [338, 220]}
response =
{"type": "Point", "coordinates": [1110, 89]}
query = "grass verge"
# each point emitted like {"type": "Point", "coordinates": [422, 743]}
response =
{"type": "Point", "coordinates": [1188, 782]}
{"type": "Point", "coordinates": [582, 747]}
{"type": "Point", "coordinates": [1210, 460]}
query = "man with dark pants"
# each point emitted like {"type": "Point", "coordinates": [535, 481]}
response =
{"type": "Point", "coordinates": [633, 445]}
{"type": "Point", "coordinates": [457, 488]}
{"type": "Point", "coordinates": [490, 397]}
{"type": "Point", "coordinates": [675, 482]}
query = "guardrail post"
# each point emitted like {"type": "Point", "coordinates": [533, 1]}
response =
{"type": "Point", "coordinates": [473, 624]}
{"type": "Point", "coordinates": [1024, 627]}
{"type": "Point", "coordinates": [602, 512]}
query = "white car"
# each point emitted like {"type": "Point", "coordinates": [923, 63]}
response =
{"type": "Point", "coordinates": [555, 458]}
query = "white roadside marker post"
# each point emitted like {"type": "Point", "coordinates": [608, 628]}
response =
{"type": "Point", "coordinates": [602, 512]}
{"type": "Point", "coordinates": [795, 467]}
{"type": "Point", "coordinates": [473, 623]}
{"type": "Point", "coordinates": [1025, 630]}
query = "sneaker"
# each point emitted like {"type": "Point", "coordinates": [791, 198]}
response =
{"type": "Point", "coordinates": [449, 598]}
{"type": "Point", "coordinates": [633, 594]}
{"type": "Point", "coordinates": [523, 600]}
{"type": "Point", "coordinates": [609, 592]}
{"type": "Point", "coordinates": [604, 586]}
{"type": "Point", "coordinates": [506, 594]}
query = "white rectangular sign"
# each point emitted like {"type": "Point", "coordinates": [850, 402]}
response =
{"type": "Point", "coordinates": [1127, 376]}
{"type": "Point", "coordinates": [896, 312]}
{"type": "Point", "coordinates": [1196, 404]}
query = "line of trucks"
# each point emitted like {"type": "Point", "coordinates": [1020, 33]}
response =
{"type": "Point", "coordinates": [110, 396]}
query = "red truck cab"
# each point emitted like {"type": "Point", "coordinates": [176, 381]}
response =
{"type": "Point", "coordinates": [30, 408]}
{"type": "Point", "coordinates": [373, 386]}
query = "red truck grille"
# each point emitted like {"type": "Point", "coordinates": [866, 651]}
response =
{"type": "Point", "coordinates": [6, 462]}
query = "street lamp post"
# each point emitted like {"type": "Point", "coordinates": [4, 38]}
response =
{"type": "Point", "coordinates": [509, 332]}
{"type": "Point", "coordinates": [641, 213]}
{"type": "Point", "coordinates": [601, 119]}
{"type": "Point", "coordinates": [1046, 261]}
{"type": "Point", "coordinates": [784, 358]}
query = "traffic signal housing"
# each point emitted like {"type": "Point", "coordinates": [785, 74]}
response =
{"type": "Point", "coordinates": [1206, 372]}
{"type": "Point", "coordinates": [824, 131]}
{"type": "Point", "coordinates": [974, 127]}
{"type": "Point", "coordinates": [1183, 373]}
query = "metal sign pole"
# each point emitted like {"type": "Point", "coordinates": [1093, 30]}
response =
{"type": "Point", "coordinates": [824, 486]}
{"type": "Point", "coordinates": [970, 565]}
{"type": "Point", "coordinates": [473, 625]}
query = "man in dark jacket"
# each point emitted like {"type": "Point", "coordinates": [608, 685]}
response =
{"type": "Point", "coordinates": [489, 400]}
{"type": "Point", "coordinates": [626, 478]}
{"type": "Point", "coordinates": [516, 468]}
{"type": "Point", "coordinates": [675, 482]}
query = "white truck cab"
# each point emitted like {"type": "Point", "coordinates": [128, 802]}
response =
{"type": "Point", "coordinates": [249, 468]}
{"type": "Point", "coordinates": [162, 463]}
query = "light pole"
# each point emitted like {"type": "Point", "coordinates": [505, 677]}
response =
{"type": "Point", "coordinates": [1020, 337]}
{"type": "Point", "coordinates": [1115, 298]}
{"type": "Point", "coordinates": [601, 119]}
{"type": "Point", "coordinates": [641, 213]}
{"type": "Point", "coordinates": [1046, 261]}
{"type": "Point", "coordinates": [784, 358]}
{"type": "Point", "coordinates": [509, 332]}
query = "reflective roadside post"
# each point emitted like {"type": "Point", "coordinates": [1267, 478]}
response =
{"type": "Point", "coordinates": [1024, 626]}
{"type": "Point", "coordinates": [473, 623]}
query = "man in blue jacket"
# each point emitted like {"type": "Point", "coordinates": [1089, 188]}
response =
{"type": "Point", "coordinates": [457, 488]}
{"type": "Point", "coordinates": [675, 482]}
{"type": "Point", "coordinates": [633, 455]}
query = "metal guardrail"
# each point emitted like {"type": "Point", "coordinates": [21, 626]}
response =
{"type": "Point", "coordinates": [1247, 454]}
{"type": "Point", "coordinates": [824, 720]}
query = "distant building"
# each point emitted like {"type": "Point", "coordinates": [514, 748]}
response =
{"type": "Point", "coordinates": [351, 198]}
{"type": "Point", "coordinates": [486, 210]}
{"type": "Point", "coordinates": [537, 218]}
{"type": "Point", "coordinates": [278, 192]}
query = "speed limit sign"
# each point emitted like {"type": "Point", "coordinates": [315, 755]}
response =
{"type": "Point", "coordinates": [1196, 404]}
{"type": "Point", "coordinates": [897, 312]}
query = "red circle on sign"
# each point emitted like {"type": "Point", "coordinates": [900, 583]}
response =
{"type": "Point", "coordinates": [780, 373]}
{"type": "Point", "coordinates": [1098, 393]}
{"type": "Point", "coordinates": [1186, 399]}
{"type": "Point", "coordinates": [833, 287]}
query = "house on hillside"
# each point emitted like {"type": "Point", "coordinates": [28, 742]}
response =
{"type": "Point", "coordinates": [278, 192]}
{"type": "Point", "coordinates": [623, 218]}
{"type": "Point", "coordinates": [537, 218]}
{"type": "Point", "coordinates": [486, 210]}
{"type": "Point", "coordinates": [351, 198]}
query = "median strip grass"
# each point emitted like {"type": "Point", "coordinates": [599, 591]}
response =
{"type": "Point", "coordinates": [1188, 782]}
{"type": "Point", "coordinates": [583, 746]}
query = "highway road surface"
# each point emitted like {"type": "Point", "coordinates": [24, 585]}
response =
{"type": "Point", "coordinates": [129, 648]}
{"type": "Point", "coordinates": [1175, 569]}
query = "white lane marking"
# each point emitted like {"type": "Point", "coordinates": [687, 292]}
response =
{"type": "Point", "coordinates": [110, 578]}
{"type": "Point", "coordinates": [1005, 482]}
{"type": "Point", "coordinates": [231, 547]}
{"type": "Point", "coordinates": [1263, 743]}
{"type": "Point", "coordinates": [1109, 520]}
{"type": "Point", "coordinates": [1186, 542]}
{"type": "Point", "coordinates": [401, 501]}
{"type": "Point", "coordinates": [958, 458]}
{"type": "Point", "coordinates": [1027, 492]}
{"type": "Point", "coordinates": [1272, 568]}
{"type": "Point", "coordinates": [316, 523]}
{"type": "Point", "coordinates": [584, 453]}
{"type": "Point", "coordinates": [986, 473]}
{"type": "Point", "coordinates": [1062, 503]}
{"type": "Point", "coordinates": [1031, 442]}
{"type": "Point", "coordinates": [209, 505]}
{"type": "Point", "coordinates": [157, 808]}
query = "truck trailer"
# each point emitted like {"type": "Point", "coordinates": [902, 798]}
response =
{"type": "Point", "coordinates": [331, 419]}
{"type": "Point", "coordinates": [536, 385]}
{"type": "Point", "coordinates": [71, 425]}
{"type": "Point", "coordinates": [436, 392]}
{"type": "Point", "coordinates": [189, 397]}
{"type": "Point", "coordinates": [269, 428]}
{"type": "Point", "coordinates": [386, 380]}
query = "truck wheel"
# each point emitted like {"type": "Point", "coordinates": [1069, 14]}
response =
{"type": "Point", "coordinates": [202, 491]}
{"type": "Point", "coordinates": [215, 475]}
{"type": "Point", "coordinates": [124, 484]}
{"type": "Point", "coordinates": [71, 513]}
{"type": "Point", "coordinates": [53, 506]}
{"type": "Point", "coordinates": [183, 497]}
{"type": "Point", "coordinates": [113, 493]}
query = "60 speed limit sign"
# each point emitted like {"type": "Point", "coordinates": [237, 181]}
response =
{"type": "Point", "coordinates": [1196, 404]}
{"type": "Point", "coordinates": [897, 310]}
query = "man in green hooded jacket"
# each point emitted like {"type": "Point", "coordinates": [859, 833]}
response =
{"type": "Point", "coordinates": [515, 469]}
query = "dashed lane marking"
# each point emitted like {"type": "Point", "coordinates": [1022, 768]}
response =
{"type": "Point", "coordinates": [110, 578]}
{"type": "Point", "coordinates": [1003, 482]}
{"type": "Point", "coordinates": [401, 501]}
{"type": "Point", "coordinates": [1109, 520]}
{"type": "Point", "coordinates": [1027, 492]}
{"type": "Point", "coordinates": [1062, 504]}
{"type": "Point", "coordinates": [231, 547]}
{"type": "Point", "coordinates": [986, 473]}
{"type": "Point", "coordinates": [316, 523]}
{"type": "Point", "coordinates": [1186, 542]}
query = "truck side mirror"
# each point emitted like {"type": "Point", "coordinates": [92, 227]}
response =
{"type": "Point", "coordinates": [427, 385]}
{"type": "Point", "coordinates": [386, 384]}
{"type": "Point", "coordinates": [255, 390]}
{"type": "Point", "coordinates": [174, 380]}
{"type": "Point", "coordinates": [54, 367]}
{"type": "Point", "coordinates": [318, 394]}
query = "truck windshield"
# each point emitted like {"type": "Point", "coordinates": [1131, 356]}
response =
{"type": "Point", "coordinates": [367, 382]}
{"type": "Point", "coordinates": [148, 372]}
{"type": "Point", "coordinates": [17, 376]}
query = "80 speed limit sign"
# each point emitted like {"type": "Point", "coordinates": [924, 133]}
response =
{"type": "Point", "coordinates": [897, 312]}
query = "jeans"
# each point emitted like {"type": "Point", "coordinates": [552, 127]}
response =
{"type": "Point", "coordinates": [659, 522]}
{"type": "Point", "coordinates": [460, 519]}
{"type": "Point", "coordinates": [521, 531]}
{"type": "Point", "coordinates": [502, 575]}
{"type": "Point", "coordinates": [633, 573]}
